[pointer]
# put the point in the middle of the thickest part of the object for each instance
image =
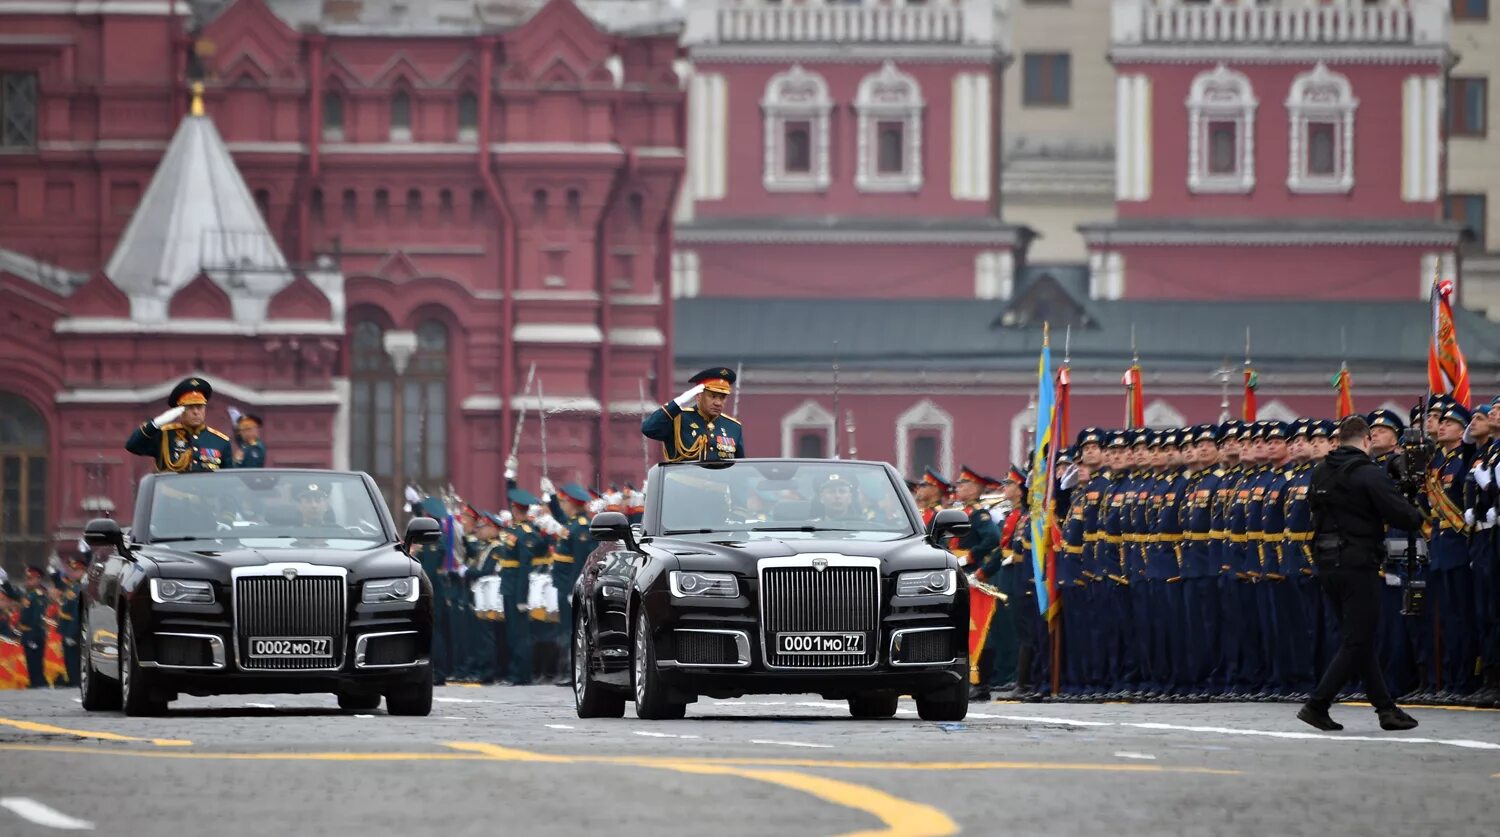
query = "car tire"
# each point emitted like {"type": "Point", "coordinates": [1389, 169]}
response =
{"type": "Point", "coordinates": [651, 703]}
{"type": "Point", "coordinates": [950, 703]}
{"type": "Point", "coordinates": [137, 685]}
{"type": "Point", "coordinates": [358, 702]}
{"type": "Point", "coordinates": [97, 692]}
{"type": "Point", "coordinates": [412, 699]}
{"type": "Point", "coordinates": [873, 705]}
{"type": "Point", "coordinates": [591, 698]}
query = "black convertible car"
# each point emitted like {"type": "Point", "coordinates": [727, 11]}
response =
{"type": "Point", "coordinates": [772, 576]}
{"type": "Point", "coordinates": [255, 582]}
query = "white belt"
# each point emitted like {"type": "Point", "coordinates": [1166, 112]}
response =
{"type": "Point", "coordinates": [1483, 526]}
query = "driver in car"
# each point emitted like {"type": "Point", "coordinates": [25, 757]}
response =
{"type": "Point", "coordinates": [838, 499]}
{"type": "Point", "coordinates": [312, 502]}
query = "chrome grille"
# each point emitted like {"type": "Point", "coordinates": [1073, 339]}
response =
{"type": "Point", "coordinates": [839, 598]}
{"type": "Point", "coordinates": [305, 605]}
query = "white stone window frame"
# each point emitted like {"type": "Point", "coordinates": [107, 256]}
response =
{"type": "Point", "coordinates": [1321, 95]}
{"type": "Point", "coordinates": [796, 96]}
{"type": "Point", "coordinates": [879, 99]}
{"type": "Point", "coordinates": [807, 416]}
{"type": "Point", "coordinates": [1221, 95]}
{"type": "Point", "coordinates": [924, 415]}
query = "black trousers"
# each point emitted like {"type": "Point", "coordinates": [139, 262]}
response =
{"type": "Point", "coordinates": [1354, 595]}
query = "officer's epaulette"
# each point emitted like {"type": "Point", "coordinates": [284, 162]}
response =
{"type": "Point", "coordinates": [172, 425]}
{"type": "Point", "coordinates": [217, 433]}
{"type": "Point", "coordinates": [731, 418]}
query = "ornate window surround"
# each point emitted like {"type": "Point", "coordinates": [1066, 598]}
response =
{"type": "Point", "coordinates": [807, 416]}
{"type": "Point", "coordinates": [1221, 95]}
{"type": "Point", "coordinates": [889, 95]}
{"type": "Point", "coordinates": [924, 415]}
{"type": "Point", "coordinates": [796, 96]}
{"type": "Point", "coordinates": [1321, 95]}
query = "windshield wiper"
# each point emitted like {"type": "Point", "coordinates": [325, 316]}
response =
{"type": "Point", "coordinates": [671, 532]}
{"type": "Point", "coordinates": [806, 528]}
{"type": "Point", "coordinates": [181, 538]}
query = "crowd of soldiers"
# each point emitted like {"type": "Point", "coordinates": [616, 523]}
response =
{"type": "Point", "coordinates": [501, 580]}
{"type": "Point", "coordinates": [39, 627]}
{"type": "Point", "coordinates": [1184, 565]}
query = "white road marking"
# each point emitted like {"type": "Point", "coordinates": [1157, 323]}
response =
{"type": "Point", "coordinates": [39, 814]}
{"type": "Point", "coordinates": [1042, 719]}
{"type": "Point", "coordinates": [364, 716]}
{"type": "Point", "coordinates": [465, 700]}
{"type": "Point", "coordinates": [559, 726]}
{"type": "Point", "coordinates": [1124, 754]}
{"type": "Point", "coordinates": [262, 705]}
{"type": "Point", "coordinates": [453, 718]}
{"type": "Point", "coordinates": [78, 700]}
{"type": "Point", "coordinates": [661, 734]}
{"type": "Point", "coordinates": [790, 743]}
{"type": "Point", "coordinates": [1465, 743]}
{"type": "Point", "coordinates": [749, 703]}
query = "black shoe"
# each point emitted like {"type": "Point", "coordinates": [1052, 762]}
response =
{"type": "Point", "coordinates": [1319, 718]}
{"type": "Point", "coordinates": [1395, 720]}
{"type": "Point", "coordinates": [979, 694]}
{"type": "Point", "coordinates": [568, 683]}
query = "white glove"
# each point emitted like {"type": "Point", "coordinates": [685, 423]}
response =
{"type": "Point", "coordinates": [1469, 517]}
{"type": "Point", "coordinates": [1484, 477]}
{"type": "Point", "coordinates": [1489, 516]}
{"type": "Point", "coordinates": [1069, 477]}
{"type": "Point", "coordinates": [686, 399]}
{"type": "Point", "coordinates": [168, 417]}
{"type": "Point", "coordinates": [548, 489]}
{"type": "Point", "coordinates": [510, 473]}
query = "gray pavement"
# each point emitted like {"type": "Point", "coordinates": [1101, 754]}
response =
{"type": "Point", "coordinates": [504, 760]}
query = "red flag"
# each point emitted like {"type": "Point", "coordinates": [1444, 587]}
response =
{"type": "Point", "coordinates": [1345, 387]}
{"type": "Point", "coordinates": [1252, 381]}
{"type": "Point", "coordinates": [983, 601]}
{"type": "Point", "coordinates": [1064, 383]}
{"type": "Point", "coordinates": [1446, 370]}
{"type": "Point", "coordinates": [1135, 399]}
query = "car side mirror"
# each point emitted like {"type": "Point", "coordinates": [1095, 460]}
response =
{"type": "Point", "coordinates": [421, 530]}
{"type": "Point", "coordinates": [101, 531]}
{"type": "Point", "coordinates": [948, 523]}
{"type": "Point", "coordinates": [612, 526]}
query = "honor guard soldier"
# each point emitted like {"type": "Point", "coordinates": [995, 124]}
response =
{"type": "Point", "coordinates": [1297, 608]}
{"type": "Point", "coordinates": [69, 614]}
{"type": "Point", "coordinates": [1451, 581]}
{"type": "Point", "coordinates": [1402, 641]}
{"type": "Point", "coordinates": [1072, 580]}
{"type": "Point", "coordinates": [431, 557]}
{"type": "Point", "coordinates": [1092, 452]}
{"type": "Point", "coordinates": [1229, 514]}
{"type": "Point", "coordinates": [179, 439]}
{"type": "Point", "coordinates": [931, 493]}
{"type": "Point", "coordinates": [1199, 628]}
{"type": "Point", "coordinates": [34, 627]}
{"type": "Point", "coordinates": [1278, 627]}
{"type": "Point", "coordinates": [693, 426]}
{"type": "Point", "coordinates": [1164, 567]}
{"type": "Point", "coordinates": [252, 452]}
{"type": "Point", "coordinates": [524, 545]}
{"type": "Point", "coordinates": [570, 508]}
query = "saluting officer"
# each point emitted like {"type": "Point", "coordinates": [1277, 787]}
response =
{"type": "Point", "coordinates": [180, 440]}
{"type": "Point", "coordinates": [693, 426]}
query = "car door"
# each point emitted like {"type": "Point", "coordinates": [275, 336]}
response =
{"type": "Point", "coordinates": [606, 584]}
{"type": "Point", "coordinates": [102, 592]}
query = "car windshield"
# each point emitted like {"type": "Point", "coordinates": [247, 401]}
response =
{"type": "Point", "coordinates": [268, 507]}
{"type": "Point", "coordinates": [782, 499]}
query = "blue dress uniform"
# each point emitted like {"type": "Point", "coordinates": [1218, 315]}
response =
{"type": "Point", "coordinates": [34, 627]}
{"type": "Point", "coordinates": [1480, 508]}
{"type": "Point", "coordinates": [1233, 494]}
{"type": "Point", "coordinates": [524, 544]}
{"type": "Point", "coordinates": [1486, 570]}
{"type": "Point", "coordinates": [431, 557]}
{"type": "Point", "coordinates": [1199, 626]}
{"type": "Point", "coordinates": [177, 447]}
{"type": "Point", "coordinates": [687, 435]}
{"type": "Point", "coordinates": [1451, 581]}
{"type": "Point", "coordinates": [568, 559]}
{"type": "Point", "coordinates": [1254, 671]}
{"type": "Point", "coordinates": [1134, 533]}
{"type": "Point", "coordinates": [1299, 619]}
{"type": "Point", "coordinates": [1098, 586]}
{"type": "Point", "coordinates": [1072, 581]}
{"type": "Point", "coordinates": [1164, 576]}
{"type": "Point", "coordinates": [1278, 620]}
{"type": "Point", "coordinates": [1120, 665]}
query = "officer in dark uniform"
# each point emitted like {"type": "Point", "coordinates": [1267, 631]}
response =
{"type": "Point", "coordinates": [1164, 566]}
{"type": "Point", "coordinates": [482, 542]}
{"type": "Point", "coordinates": [1136, 499]}
{"type": "Point", "coordinates": [1096, 585]}
{"type": "Point", "coordinates": [33, 626]}
{"type": "Point", "coordinates": [1451, 581]}
{"type": "Point", "coordinates": [524, 546]}
{"type": "Point", "coordinates": [570, 508]}
{"type": "Point", "coordinates": [1277, 630]}
{"type": "Point", "coordinates": [1110, 562]}
{"type": "Point", "coordinates": [931, 492]}
{"type": "Point", "coordinates": [1352, 502]}
{"type": "Point", "coordinates": [430, 556]}
{"type": "Point", "coordinates": [69, 615]}
{"type": "Point", "coordinates": [1297, 612]}
{"type": "Point", "coordinates": [693, 426]}
{"type": "Point", "coordinates": [252, 452]}
{"type": "Point", "coordinates": [1198, 629]}
{"type": "Point", "coordinates": [1480, 513]}
{"type": "Point", "coordinates": [1072, 577]}
{"type": "Point", "coordinates": [179, 439]}
{"type": "Point", "coordinates": [1400, 640]}
{"type": "Point", "coordinates": [1228, 547]}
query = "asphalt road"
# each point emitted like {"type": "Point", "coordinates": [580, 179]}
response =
{"type": "Point", "coordinates": [517, 761]}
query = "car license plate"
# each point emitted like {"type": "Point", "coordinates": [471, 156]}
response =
{"type": "Point", "coordinates": [820, 643]}
{"type": "Point", "coordinates": [291, 647]}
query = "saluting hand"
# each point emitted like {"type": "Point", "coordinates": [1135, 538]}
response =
{"type": "Point", "coordinates": [687, 398]}
{"type": "Point", "coordinates": [167, 418]}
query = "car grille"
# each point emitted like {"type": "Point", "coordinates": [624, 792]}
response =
{"type": "Point", "coordinates": [916, 647]}
{"type": "Point", "coordinates": [835, 599]}
{"type": "Point", "coordinates": [700, 648]}
{"type": "Point", "coordinates": [395, 650]}
{"type": "Point", "coordinates": [184, 651]}
{"type": "Point", "coordinates": [302, 606]}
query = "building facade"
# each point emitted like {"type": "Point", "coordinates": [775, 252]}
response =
{"type": "Point", "coordinates": [492, 187]}
{"type": "Point", "coordinates": [1473, 179]}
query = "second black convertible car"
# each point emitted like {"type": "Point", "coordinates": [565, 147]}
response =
{"type": "Point", "coordinates": [773, 576]}
{"type": "Point", "coordinates": [253, 582]}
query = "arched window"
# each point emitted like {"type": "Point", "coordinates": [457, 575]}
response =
{"type": "Point", "coordinates": [1321, 106]}
{"type": "Point", "coordinates": [797, 110]}
{"type": "Point", "coordinates": [400, 116]}
{"type": "Point", "coordinates": [350, 205]}
{"type": "Point", "coordinates": [399, 416]}
{"type": "Point", "coordinates": [809, 421]}
{"type": "Point", "coordinates": [539, 204]}
{"type": "Point", "coordinates": [924, 438]}
{"type": "Point", "coordinates": [382, 205]}
{"type": "Point", "coordinates": [1221, 139]}
{"type": "Point", "coordinates": [413, 205]}
{"type": "Point", "coordinates": [889, 103]}
{"type": "Point", "coordinates": [24, 537]}
{"type": "Point", "coordinates": [333, 116]}
{"type": "Point", "coordinates": [468, 116]}
{"type": "Point", "coordinates": [372, 382]}
{"type": "Point", "coordinates": [575, 207]}
{"type": "Point", "coordinates": [445, 205]}
{"type": "Point", "coordinates": [425, 411]}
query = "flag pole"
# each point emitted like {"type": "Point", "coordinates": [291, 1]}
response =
{"type": "Point", "coordinates": [835, 427]}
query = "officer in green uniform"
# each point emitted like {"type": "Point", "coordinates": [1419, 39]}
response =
{"type": "Point", "coordinates": [430, 556]}
{"type": "Point", "coordinates": [484, 540]}
{"type": "Point", "coordinates": [570, 508]}
{"type": "Point", "coordinates": [68, 615]}
{"type": "Point", "coordinates": [524, 544]}
{"type": "Point", "coordinates": [180, 440]}
{"type": "Point", "coordinates": [693, 426]}
{"type": "Point", "coordinates": [252, 452]}
{"type": "Point", "coordinates": [33, 628]}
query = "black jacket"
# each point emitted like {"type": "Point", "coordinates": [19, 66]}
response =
{"type": "Point", "coordinates": [1354, 500]}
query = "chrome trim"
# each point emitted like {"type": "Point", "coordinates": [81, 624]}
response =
{"type": "Point", "coordinates": [364, 639]}
{"type": "Point", "coordinates": [674, 583]}
{"type": "Point", "coordinates": [741, 649]}
{"type": "Point", "coordinates": [898, 634]}
{"type": "Point", "coordinates": [290, 570]}
{"type": "Point", "coordinates": [805, 561]}
{"type": "Point", "coordinates": [216, 650]}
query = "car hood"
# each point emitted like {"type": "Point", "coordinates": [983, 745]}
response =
{"type": "Point", "coordinates": [214, 561]}
{"type": "Point", "coordinates": [741, 556]}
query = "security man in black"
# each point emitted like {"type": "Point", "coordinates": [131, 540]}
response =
{"type": "Point", "coordinates": [1353, 501]}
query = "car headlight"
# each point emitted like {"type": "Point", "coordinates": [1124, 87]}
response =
{"type": "Point", "coordinates": [704, 585]}
{"type": "Point", "coordinates": [389, 590]}
{"type": "Point", "coordinates": [927, 583]}
{"type": "Point", "coordinates": [181, 591]}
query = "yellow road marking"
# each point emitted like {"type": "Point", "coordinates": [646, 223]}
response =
{"type": "Point", "coordinates": [200, 756]}
{"type": "Point", "coordinates": [1414, 706]}
{"type": "Point", "coordinates": [32, 726]}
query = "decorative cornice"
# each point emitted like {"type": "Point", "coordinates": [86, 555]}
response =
{"type": "Point", "coordinates": [1005, 237]}
{"type": "Point", "coordinates": [1278, 54]}
{"type": "Point", "coordinates": [843, 54]}
{"type": "Point", "coordinates": [221, 328]}
{"type": "Point", "coordinates": [1107, 236]}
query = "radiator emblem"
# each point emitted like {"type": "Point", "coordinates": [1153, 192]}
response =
{"type": "Point", "coordinates": [290, 573]}
{"type": "Point", "coordinates": [820, 564]}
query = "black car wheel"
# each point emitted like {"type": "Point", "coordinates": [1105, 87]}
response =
{"type": "Point", "coordinates": [136, 683]}
{"type": "Point", "coordinates": [950, 703]}
{"type": "Point", "coordinates": [412, 699]}
{"type": "Point", "coordinates": [592, 699]}
{"type": "Point", "coordinates": [358, 702]}
{"type": "Point", "coordinates": [651, 703]}
{"type": "Point", "coordinates": [97, 693]}
{"type": "Point", "coordinates": [873, 705]}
